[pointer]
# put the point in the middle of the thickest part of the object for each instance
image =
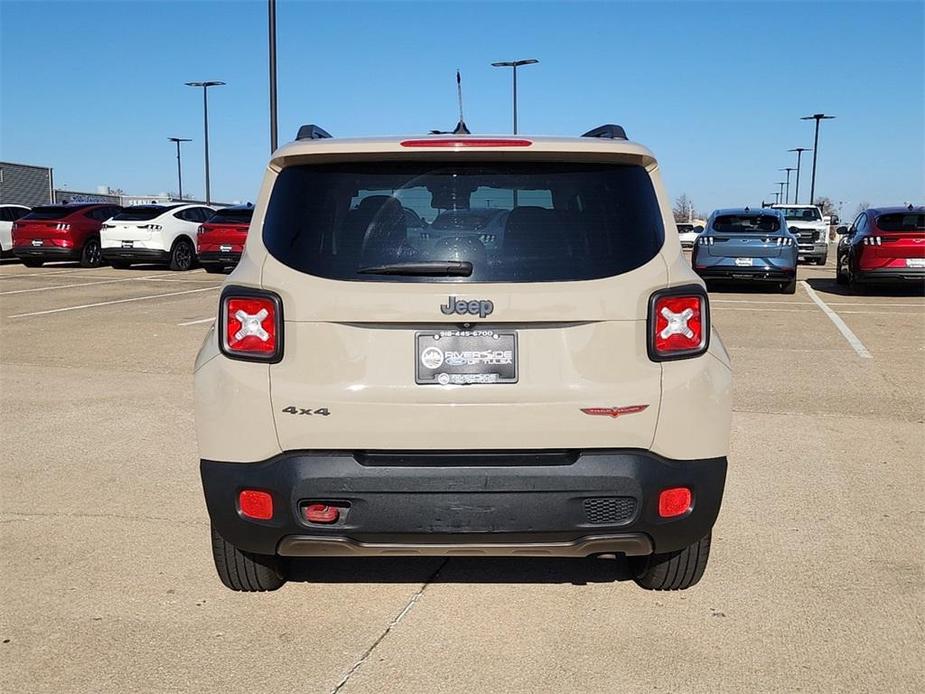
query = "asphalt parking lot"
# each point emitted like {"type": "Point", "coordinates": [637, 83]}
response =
{"type": "Point", "coordinates": [815, 582]}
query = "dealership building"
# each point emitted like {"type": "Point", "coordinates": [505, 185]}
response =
{"type": "Point", "coordinates": [30, 185]}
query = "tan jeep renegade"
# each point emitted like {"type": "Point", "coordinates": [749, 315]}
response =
{"type": "Point", "coordinates": [463, 345]}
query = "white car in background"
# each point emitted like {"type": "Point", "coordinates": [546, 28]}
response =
{"type": "Point", "coordinates": [163, 234]}
{"type": "Point", "coordinates": [8, 215]}
{"type": "Point", "coordinates": [688, 232]}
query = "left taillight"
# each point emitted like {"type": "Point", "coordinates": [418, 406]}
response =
{"type": "Point", "coordinates": [678, 323]}
{"type": "Point", "coordinates": [251, 325]}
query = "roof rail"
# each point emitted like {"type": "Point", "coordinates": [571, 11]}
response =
{"type": "Point", "coordinates": [609, 131]}
{"type": "Point", "coordinates": [312, 132]}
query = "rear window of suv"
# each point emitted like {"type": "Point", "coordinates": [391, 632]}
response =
{"type": "Point", "coordinates": [902, 221]}
{"type": "Point", "coordinates": [746, 224]}
{"type": "Point", "coordinates": [514, 222]}
{"type": "Point", "coordinates": [231, 216]}
{"type": "Point", "coordinates": [54, 211]}
{"type": "Point", "coordinates": [142, 213]}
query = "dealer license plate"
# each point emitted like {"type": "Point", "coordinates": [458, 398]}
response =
{"type": "Point", "coordinates": [915, 262]}
{"type": "Point", "coordinates": [36, 242]}
{"type": "Point", "coordinates": [128, 244]}
{"type": "Point", "coordinates": [463, 357]}
{"type": "Point", "coordinates": [743, 262]}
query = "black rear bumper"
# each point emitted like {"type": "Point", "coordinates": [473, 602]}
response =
{"type": "Point", "coordinates": [219, 258]}
{"type": "Point", "coordinates": [47, 253]}
{"type": "Point", "coordinates": [746, 274]}
{"type": "Point", "coordinates": [564, 503]}
{"type": "Point", "coordinates": [136, 255]}
{"type": "Point", "coordinates": [891, 276]}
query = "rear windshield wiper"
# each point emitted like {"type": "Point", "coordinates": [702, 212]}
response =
{"type": "Point", "coordinates": [428, 268]}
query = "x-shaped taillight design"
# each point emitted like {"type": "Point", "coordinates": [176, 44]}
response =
{"type": "Point", "coordinates": [677, 323]}
{"type": "Point", "coordinates": [252, 325]}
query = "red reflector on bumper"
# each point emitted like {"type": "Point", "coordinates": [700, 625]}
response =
{"type": "Point", "coordinates": [674, 502]}
{"type": "Point", "coordinates": [254, 504]}
{"type": "Point", "coordinates": [321, 513]}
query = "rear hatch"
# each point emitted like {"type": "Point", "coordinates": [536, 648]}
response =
{"type": "Point", "coordinates": [45, 226]}
{"type": "Point", "coordinates": [138, 223]}
{"type": "Point", "coordinates": [444, 341]}
{"type": "Point", "coordinates": [745, 236]}
{"type": "Point", "coordinates": [900, 240]}
{"type": "Point", "coordinates": [225, 231]}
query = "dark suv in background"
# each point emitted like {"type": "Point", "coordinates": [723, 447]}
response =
{"type": "Point", "coordinates": [62, 232]}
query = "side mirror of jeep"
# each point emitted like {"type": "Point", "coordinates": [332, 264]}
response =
{"type": "Point", "coordinates": [842, 230]}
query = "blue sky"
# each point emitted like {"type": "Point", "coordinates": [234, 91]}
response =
{"type": "Point", "coordinates": [716, 90]}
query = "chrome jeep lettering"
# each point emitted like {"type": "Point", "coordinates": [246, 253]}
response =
{"type": "Point", "coordinates": [480, 307]}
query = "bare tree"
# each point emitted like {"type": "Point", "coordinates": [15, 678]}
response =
{"type": "Point", "coordinates": [826, 205]}
{"type": "Point", "coordinates": [861, 207]}
{"type": "Point", "coordinates": [683, 209]}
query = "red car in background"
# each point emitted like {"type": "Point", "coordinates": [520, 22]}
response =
{"type": "Point", "coordinates": [221, 239]}
{"type": "Point", "coordinates": [883, 245]}
{"type": "Point", "coordinates": [70, 231]}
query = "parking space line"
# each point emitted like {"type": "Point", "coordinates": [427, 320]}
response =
{"type": "Point", "coordinates": [46, 273]}
{"type": "Point", "coordinates": [852, 339]}
{"type": "Point", "coordinates": [69, 286]}
{"type": "Point", "coordinates": [810, 310]}
{"type": "Point", "coordinates": [110, 303]}
{"type": "Point", "coordinates": [196, 322]}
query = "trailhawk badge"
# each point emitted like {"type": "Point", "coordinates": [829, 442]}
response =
{"type": "Point", "coordinates": [480, 307]}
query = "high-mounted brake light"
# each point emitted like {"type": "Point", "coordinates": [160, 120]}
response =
{"type": "Point", "coordinates": [466, 142]}
{"type": "Point", "coordinates": [251, 325]}
{"type": "Point", "coordinates": [678, 323]}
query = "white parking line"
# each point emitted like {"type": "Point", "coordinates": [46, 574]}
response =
{"type": "Point", "coordinates": [110, 303]}
{"type": "Point", "coordinates": [46, 273]}
{"type": "Point", "coordinates": [69, 286]}
{"type": "Point", "coordinates": [811, 309]}
{"type": "Point", "coordinates": [196, 322]}
{"type": "Point", "coordinates": [839, 323]}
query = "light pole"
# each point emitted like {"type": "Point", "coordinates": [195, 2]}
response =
{"type": "Point", "coordinates": [799, 151]}
{"type": "Point", "coordinates": [271, 23]}
{"type": "Point", "coordinates": [788, 170]}
{"type": "Point", "coordinates": [178, 140]}
{"type": "Point", "coordinates": [781, 184]}
{"type": "Point", "coordinates": [514, 64]}
{"type": "Point", "coordinates": [205, 120]}
{"type": "Point", "coordinates": [816, 117]}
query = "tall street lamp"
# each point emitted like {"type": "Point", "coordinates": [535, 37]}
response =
{"type": "Point", "coordinates": [799, 151]}
{"type": "Point", "coordinates": [205, 120]}
{"type": "Point", "coordinates": [272, 41]}
{"type": "Point", "coordinates": [781, 184]}
{"type": "Point", "coordinates": [178, 140]}
{"type": "Point", "coordinates": [788, 169]}
{"type": "Point", "coordinates": [816, 117]}
{"type": "Point", "coordinates": [514, 64]}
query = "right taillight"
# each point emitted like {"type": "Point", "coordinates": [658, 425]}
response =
{"type": "Point", "coordinates": [678, 323]}
{"type": "Point", "coordinates": [251, 325]}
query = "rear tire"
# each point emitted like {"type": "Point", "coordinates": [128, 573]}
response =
{"type": "Point", "coordinates": [243, 571]}
{"type": "Point", "coordinates": [31, 262]}
{"type": "Point", "coordinates": [91, 255]}
{"type": "Point", "coordinates": [213, 269]}
{"type": "Point", "coordinates": [823, 260]}
{"type": "Point", "coordinates": [841, 275]}
{"type": "Point", "coordinates": [789, 287]}
{"type": "Point", "coordinates": [182, 256]}
{"type": "Point", "coordinates": [674, 570]}
{"type": "Point", "coordinates": [856, 287]}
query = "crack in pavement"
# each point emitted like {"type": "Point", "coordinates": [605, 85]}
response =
{"type": "Point", "coordinates": [395, 622]}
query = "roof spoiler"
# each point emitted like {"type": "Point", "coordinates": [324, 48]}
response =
{"type": "Point", "coordinates": [312, 132]}
{"type": "Point", "coordinates": [609, 131]}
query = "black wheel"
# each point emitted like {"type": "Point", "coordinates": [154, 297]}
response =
{"type": "Point", "coordinates": [823, 260]}
{"type": "Point", "coordinates": [213, 268]}
{"type": "Point", "coordinates": [841, 274]}
{"type": "Point", "coordinates": [789, 287]}
{"type": "Point", "coordinates": [32, 262]}
{"type": "Point", "coordinates": [182, 255]}
{"type": "Point", "coordinates": [91, 255]}
{"type": "Point", "coordinates": [674, 570]}
{"type": "Point", "coordinates": [120, 264]}
{"type": "Point", "coordinates": [244, 571]}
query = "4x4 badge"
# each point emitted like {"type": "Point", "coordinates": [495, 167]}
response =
{"type": "Point", "coordinates": [480, 308]}
{"type": "Point", "coordinates": [614, 411]}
